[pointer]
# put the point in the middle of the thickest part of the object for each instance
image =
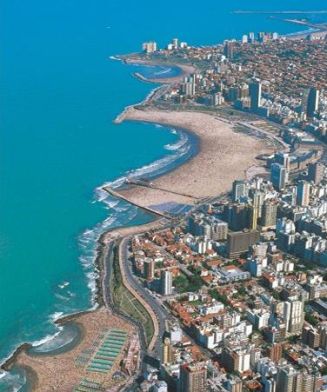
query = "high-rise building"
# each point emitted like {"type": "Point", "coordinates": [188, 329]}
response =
{"type": "Point", "coordinates": [149, 265]}
{"type": "Point", "coordinates": [303, 194]}
{"type": "Point", "coordinates": [275, 352]}
{"type": "Point", "coordinates": [245, 39]}
{"type": "Point", "coordinates": [193, 378]}
{"type": "Point", "coordinates": [175, 43]}
{"type": "Point", "coordinates": [283, 159]}
{"type": "Point", "coordinates": [239, 190]}
{"type": "Point", "coordinates": [149, 47]}
{"type": "Point", "coordinates": [294, 316]}
{"type": "Point", "coordinates": [310, 336]}
{"type": "Point", "coordinates": [236, 360]}
{"type": "Point", "coordinates": [251, 37]}
{"type": "Point", "coordinates": [167, 352]}
{"type": "Point", "coordinates": [166, 282]}
{"type": "Point", "coordinates": [316, 172]}
{"type": "Point", "coordinates": [234, 384]}
{"type": "Point", "coordinates": [255, 210]}
{"type": "Point", "coordinates": [279, 176]}
{"type": "Point", "coordinates": [239, 242]}
{"type": "Point", "coordinates": [288, 379]}
{"type": "Point", "coordinates": [255, 94]}
{"type": "Point", "coordinates": [312, 102]}
{"type": "Point", "coordinates": [238, 216]}
{"type": "Point", "coordinates": [269, 213]}
{"type": "Point", "coordinates": [219, 231]}
{"type": "Point", "coordinates": [229, 50]}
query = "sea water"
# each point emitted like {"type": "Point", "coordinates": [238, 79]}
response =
{"type": "Point", "coordinates": [59, 93]}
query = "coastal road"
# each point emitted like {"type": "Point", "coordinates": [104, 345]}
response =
{"type": "Point", "coordinates": [162, 313]}
{"type": "Point", "coordinates": [159, 310]}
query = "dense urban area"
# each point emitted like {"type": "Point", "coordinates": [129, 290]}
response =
{"type": "Point", "coordinates": [240, 283]}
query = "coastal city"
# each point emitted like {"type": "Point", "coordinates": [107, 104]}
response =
{"type": "Point", "coordinates": [239, 283]}
{"type": "Point", "coordinates": [225, 288]}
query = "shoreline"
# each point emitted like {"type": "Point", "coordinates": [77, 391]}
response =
{"type": "Point", "coordinates": [195, 176]}
{"type": "Point", "coordinates": [102, 241]}
{"type": "Point", "coordinates": [186, 69]}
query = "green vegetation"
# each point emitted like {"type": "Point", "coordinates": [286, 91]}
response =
{"type": "Point", "coordinates": [125, 302]}
{"type": "Point", "coordinates": [222, 298]}
{"type": "Point", "coordinates": [311, 319]}
{"type": "Point", "coordinates": [184, 284]}
{"type": "Point", "coordinates": [293, 339]}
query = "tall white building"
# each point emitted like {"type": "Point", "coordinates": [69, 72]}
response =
{"type": "Point", "coordinates": [166, 283]}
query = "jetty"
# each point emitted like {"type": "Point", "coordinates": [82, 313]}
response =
{"type": "Point", "coordinates": [118, 195]}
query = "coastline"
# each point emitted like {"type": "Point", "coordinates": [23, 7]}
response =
{"type": "Point", "coordinates": [203, 175]}
{"type": "Point", "coordinates": [170, 180]}
{"type": "Point", "coordinates": [186, 69]}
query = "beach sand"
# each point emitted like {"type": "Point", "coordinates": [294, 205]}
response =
{"type": "Point", "coordinates": [60, 372]}
{"type": "Point", "coordinates": [225, 155]}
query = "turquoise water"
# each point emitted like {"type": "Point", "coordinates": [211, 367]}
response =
{"type": "Point", "coordinates": [59, 93]}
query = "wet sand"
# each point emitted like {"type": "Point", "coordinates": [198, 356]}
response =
{"type": "Point", "coordinates": [224, 155]}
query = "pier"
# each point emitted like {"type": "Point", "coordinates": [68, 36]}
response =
{"type": "Point", "coordinates": [118, 195]}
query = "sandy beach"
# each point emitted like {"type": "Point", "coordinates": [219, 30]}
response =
{"type": "Point", "coordinates": [225, 155]}
{"type": "Point", "coordinates": [61, 372]}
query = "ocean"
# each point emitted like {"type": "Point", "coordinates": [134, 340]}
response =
{"type": "Point", "coordinates": [59, 93]}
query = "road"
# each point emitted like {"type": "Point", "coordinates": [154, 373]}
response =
{"type": "Point", "coordinates": [160, 311]}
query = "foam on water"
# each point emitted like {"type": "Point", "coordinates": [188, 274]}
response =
{"type": "Point", "coordinates": [47, 339]}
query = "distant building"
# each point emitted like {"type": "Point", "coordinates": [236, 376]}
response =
{"type": "Point", "coordinates": [245, 39]}
{"type": "Point", "coordinates": [175, 43]}
{"type": "Point", "coordinates": [239, 190]}
{"type": "Point", "coordinates": [166, 282]}
{"type": "Point", "coordinates": [303, 194]}
{"type": "Point", "coordinates": [310, 336]}
{"type": "Point", "coordinates": [239, 242]}
{"type": "Point", "coordinates": [316, 172]}
{"type": "Point", "coordinates": [234, 384]}
{"type": "Point", "coordinates": [290, 379]}
{"type": "Point", "coordinates": [255, 95]}
{"type": "Point", "coordinates": [160, 386]}
{"type": "Point", "coordinates": [279, 176]}
{"type": "Point", "coordinates": [237, 216]}
{"type": "Point", "coordinates": [193, 378]}
{"type": "Point", "coordinates": [229, 50]}
{"type": "Point", "coordinates": [167, 352]}
{"type": "Point", "coordinates": [235, 360]}
{"type": "Point", "coordinates": [149, 265]}
{"type": "Point", "coordinates": [283, 159]}
{"type": "Point", "coordinates": [275, 352]}
{"type": "Point", "coordinates": [269, 213]}
{"type": "Point", "coordinates": [294, 316]}
{"type": "Point", "coordinates": [149, 47]}
{"type": "Point", "coordinates": [255, 210]}
{"type": "Point", "coordinates": [312, 102]}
